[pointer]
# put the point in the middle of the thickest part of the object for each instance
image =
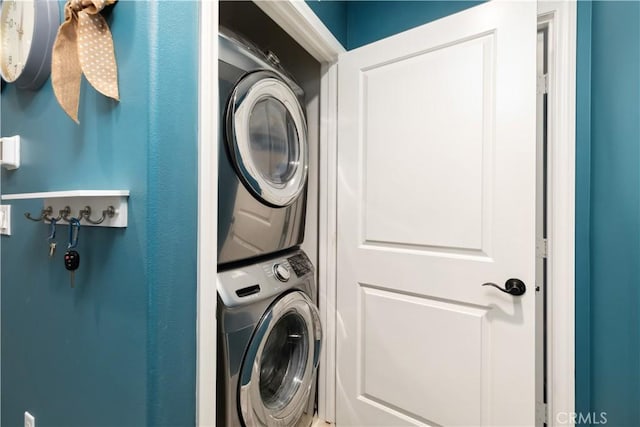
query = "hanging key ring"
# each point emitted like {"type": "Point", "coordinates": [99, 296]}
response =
{"type": "Point", "coordinates": [74, 232]}
{"type": "Point", "coordinates": [52, 230]}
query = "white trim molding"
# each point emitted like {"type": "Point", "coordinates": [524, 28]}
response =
{"type": "Point", "coordinates": [207, 216]}
{"type": "Point", "coordinates": [327, 239]}
{"type": "Point", "coordinates": [561, 17]}
{"type": "Point", "coordinates": [304, 26]}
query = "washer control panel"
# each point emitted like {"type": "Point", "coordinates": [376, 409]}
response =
{"type": "Point", "coordinates": [281, 272]}
{"type": "Point", "coordinates": [257, 281]}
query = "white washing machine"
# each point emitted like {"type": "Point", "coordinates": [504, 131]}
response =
{"type": "Point", "coordinates": [263, 154]}
{"type": "Point", "coordinates": [269, 342]}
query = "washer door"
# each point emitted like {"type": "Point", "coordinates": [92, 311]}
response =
{"type": "Point", "coordinates": [267, 138]}
{"type": "Point", "coordinates": [279, 368]}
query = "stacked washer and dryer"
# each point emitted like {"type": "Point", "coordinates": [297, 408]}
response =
{"type": "Point", "coordinates": [268, 323]}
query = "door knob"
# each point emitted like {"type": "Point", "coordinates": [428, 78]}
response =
{"type": "Point", "coordinates": [515, 287]}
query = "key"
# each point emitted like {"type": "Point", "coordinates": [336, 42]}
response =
{"type": "Point", "coordinates": [71, 263]}
{"type": "Point", "coordinates": [51, 237]}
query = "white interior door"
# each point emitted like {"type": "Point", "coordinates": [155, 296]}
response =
{"type": "Point", "coordinates": [436, 196]}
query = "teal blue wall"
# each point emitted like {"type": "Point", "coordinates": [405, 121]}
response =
{"type": "Point", "coordinates": [119, 349]}
{"type": "Point", "coordinates": [334, 15]}
{"type": "Point", "coordinates": [615, 211]}
{"type": "Point", "coordinates": [583, 210]}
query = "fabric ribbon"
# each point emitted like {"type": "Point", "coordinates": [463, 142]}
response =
{"type": "Point", "coordinates": [83, 45]}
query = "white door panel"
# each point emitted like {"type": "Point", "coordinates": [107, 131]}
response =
{"type": "Point", "coordinates": [436, 196]}
{"type": "Point", "coordinates": [441, 141]}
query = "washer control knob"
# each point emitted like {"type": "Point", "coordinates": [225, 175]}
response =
{"type": "Point", "coordinates": [281, 272]}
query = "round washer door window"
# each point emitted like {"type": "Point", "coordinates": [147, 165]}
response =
{"type": "Point", "coordinates": [279, 367]}
{"type": "Point", "coordinates": [284, 361]}
{"type": "Point", "coordinates": [267, 138]}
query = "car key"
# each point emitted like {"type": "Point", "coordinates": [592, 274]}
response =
{"type": "Point", "coordinates": [71, 256]}
{"type": "Point", "coordinates": [51, 238]}
{"type": "Point", "coordinates": [71, 263]}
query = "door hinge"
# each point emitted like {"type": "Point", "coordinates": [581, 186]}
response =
{"type": "Point", "coordinates": [542, 248]}
{"type": "Point", "coordinates": [542, 84]}
{"type": "Point", "coordinates": [542, 413]}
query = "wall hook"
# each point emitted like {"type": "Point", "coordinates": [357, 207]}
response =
{"type": "Point", "coordinates": [84, 213]}
{"type": "Point", "coordinates": [52, 220]}
{"type": "Point", "coordinates": [109, 212]}
{"type": "Point", "coordinates": [43, 214]}
{"type": "Point", "coordinates": [64, 213]}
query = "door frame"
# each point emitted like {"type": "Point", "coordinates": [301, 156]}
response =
{"type": "Point", "coordinates": [561, 18]}
{"type": "Point", "coordinates": [207, 293]}
{"type": "Point", "coordinates": [301, 23]}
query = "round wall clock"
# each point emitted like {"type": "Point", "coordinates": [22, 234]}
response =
{"type": "Point", "coordinates": [27, 31]}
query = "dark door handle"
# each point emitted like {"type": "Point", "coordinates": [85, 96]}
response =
{"type": "Point", "coordinates": [515, 287]}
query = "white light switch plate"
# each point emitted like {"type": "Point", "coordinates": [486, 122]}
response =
{"type": "Point", "coordinates": [29, 420]}
{"type": "Point", "coordinates": [5, 220]}
{"type": "Point", "coordinates": [10, 152]}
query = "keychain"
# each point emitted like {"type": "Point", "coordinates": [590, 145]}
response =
{"type": "Point", "coordinates": [51, 238]}
{"type": "Point", "coordinates": [71, 256]}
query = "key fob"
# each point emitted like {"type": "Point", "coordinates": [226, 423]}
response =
{"type": "Point", "coordinates": [71, 260]}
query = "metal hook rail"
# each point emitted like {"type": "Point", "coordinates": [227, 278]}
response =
{"type": "Point", "coordinates": [65, 215]}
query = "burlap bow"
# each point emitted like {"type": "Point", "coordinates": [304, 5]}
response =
{"type": "Point", "coordinates": [83, 45]}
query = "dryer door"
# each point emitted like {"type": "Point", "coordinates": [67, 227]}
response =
{"type": "Point", "coordinates": [279, 369]}
{"type": "Point", "coordinates": [267, 138]}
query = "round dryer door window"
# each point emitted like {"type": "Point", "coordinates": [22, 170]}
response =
{"type": "Point", "coordinates": [267, 138]}
{"type": "Point", "coordinates": [279, 368]}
